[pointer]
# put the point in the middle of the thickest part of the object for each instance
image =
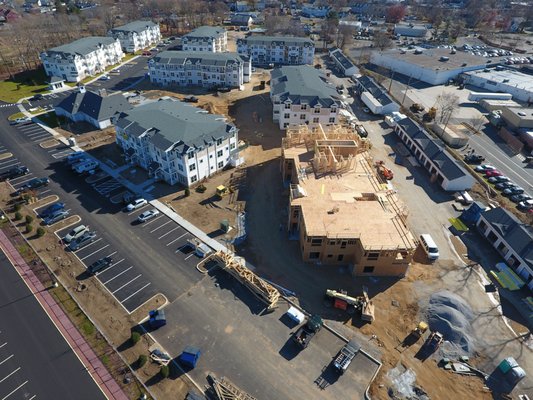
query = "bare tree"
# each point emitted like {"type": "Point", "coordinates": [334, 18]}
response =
{"type": "Point", "coordinates": [448, 103]}
{"type": "Point", "coordinates": [344, 35]}
{"type": "Point", "coordinates": [382, 40]}
{"type": "Point", "coordinates": [478, 122]}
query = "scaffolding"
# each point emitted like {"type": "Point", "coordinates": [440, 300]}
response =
{"type": "Point", "coordinates": [227, 390]}
{"type": "Point", "coordinates": [259, 287]}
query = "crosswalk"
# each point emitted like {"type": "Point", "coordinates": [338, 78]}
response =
{"type": "Point", "coordinates": [7, 105]}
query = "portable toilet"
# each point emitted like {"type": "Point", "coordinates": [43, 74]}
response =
{"type": "Point", "coordinates": [189, 357]}
{"type": "Point", "coordinates": [157, 319]}
{"type": "Point", "coordinates": [507, 364]}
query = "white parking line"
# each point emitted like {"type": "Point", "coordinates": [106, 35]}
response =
{"type": "Point", "coordinates": [178, 238]}
{"type": "Point", "coordinates": [117, 275]}
{"type": "Point", "coordinates": [11, 356]}
{"type": "Point", "coordinates": [94, 252]}
{"type": "Point", "coordinates": [9, 161]}
{"type": "Point", "coordinates": [3, 345]}
{"type": "Point", "coordinates": [139, 209]}
{"type": "Point", "coordinates": [96, 241]}
{"type": "Point", "coordinates": [32, 397]}
{"type": "Point", "coordinates": [18, 177]}
{"type": "Point", "coordinates": [112, 254]}
{"type": "Point", "coordinates": [134, 293]}
{"type": "Point", "coordinates": [24, 181]}
{"type": "Point", "coordinates": [7, 376]}
{"type": "Point", "coordinates": [189, 256]}
{"type": "Point", "coordinates": [160, 226]}
{"type": "Point", "coordinates": [170, 231]}
{"type": "Point", "coordinates": [127, 283]}
{"type": "Point", "coordinates": [44, 191]}
{"type": "Point", "coordinates": [37, 133]}
{"type": "Point", "coordinates": [155, 219]}
{"type": "Point", "coordinates": [9, 394]}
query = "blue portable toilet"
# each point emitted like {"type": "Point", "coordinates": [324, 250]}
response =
{"type": "Point", "coordinates": [157, 319]}
{"type": "Point", "coordinates": [189, 357]}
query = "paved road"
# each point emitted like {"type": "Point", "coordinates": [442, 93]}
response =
{"type": "Point", "coordinates": [35, 361]}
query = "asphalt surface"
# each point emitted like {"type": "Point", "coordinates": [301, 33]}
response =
{"type": "Point", "coordinates": [35, 360]}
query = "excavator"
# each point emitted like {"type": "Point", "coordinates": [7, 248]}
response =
{"type": "Point", "coordinates": [384, 171]}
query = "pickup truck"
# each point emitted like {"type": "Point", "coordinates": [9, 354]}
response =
{"type": "Point", "coordinates": [346, 355]}
{"type": "Point", "coordinates": [303, 336]}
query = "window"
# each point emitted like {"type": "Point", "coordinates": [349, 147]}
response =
{"type": "Point", "coordinates": [316, 242]}
{"type": "Point", "coordinates": [316, 120]}
{"type": "Point", "coordinates": [368, 270]}
{"type": "Point", "coordinates": [192, 167]}
{"type": "Point", "coordinates": [317, 110]}
{"type": "Point", "coordinates": [190, 155]}
{"type": "Point", "coordinates": [221, 164]}
{"type": "Point", "coordinates": [340, 257]}
{"type": "Point", "coordinates": [232, 146]}
{"type": "Point", "coordinates": [180, 167]}
{"type": "Point", "coordinates": [330, 255]}
{"type": "Point", "coordinates": [304, 106]}
{"type": "Point", "coordinates": [219, 153]}
{"type": "Point", "coordinates": [314, 255]}
{"type": "Point", "coordinates": [287, 115]}
{"type": "Point", "coordinates": [219, 142]}
{"type": "Point", "coordinates": [332, 120]}
{"type": "Point", "coordinates": [287, 106]}
{"type": "Point", "coordinates": [302, 116]}
{"type": "Point", "coordinates": [343, 244]}
{"type": "Point", "coordinates": [193, 178]}
{"type": "Point", "coordinates": [373, 256]}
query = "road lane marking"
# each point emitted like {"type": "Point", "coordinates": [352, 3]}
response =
{"type": "Point", "coordinates": [116, 276]}
{"type": "Point", "coordinates": [11, 356]}
{"type": "Point", "coordinates": [155, 219]}
{"type": "Point", "coordinates": [172, 230]}
{"type": "Point", "coordinates": [134, 293]}
{"type": "Point", "coordinates": [160, 226]}
{"type": "Point", "coordinates": [7, 376]}
{"type": "Point", "coordinates": [94, 252]}
{"type": "Point", "coordinates": [97, 240]}
{"type": "Point", "coordinates": [127, 283]}
{"type": "Point", "coordinates": [9, 394]}
{"type": "Point", "coordinates": [178, 238]}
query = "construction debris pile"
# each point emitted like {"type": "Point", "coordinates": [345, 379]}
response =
{"type": "Point", "coordinates": [403, 385]}
{"type": "Point", "coordinates": [450, 315]}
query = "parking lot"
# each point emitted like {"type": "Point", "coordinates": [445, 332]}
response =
{"type": "Point", "coordinates": [13, 380]}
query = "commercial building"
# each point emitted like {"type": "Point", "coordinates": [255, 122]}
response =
{"type": "Point", "coordinates": [433, 66]}
{"type": "Point", "coordinates": [93, 108]}
{"type": "Point", "coordinates": [205, 69]}
{"type": "Point", "coordinates": [410, 30]}
{"type": "Point", "coordinates": [511, 238]}
{"type": "Point", "coordinates": [339, 209]}
{"type": "Point", "coordinates": [500, 79]}
{"type": "Point", "coordinates": [430, 152]}
{"type": "Point", "coordinates": [82, 58]}
{"type": "Point", "coordinates": [265, 50]}
{"type": "Point", "coordinates": [375, 97]}
{"type": "Point", "coordinates": [206, 38]}
{"type": "Point", "coordinates": [494, 104]}
{"type": "Point", "coordinates": [175, 141]}
{"type": "Point", "coordinates": [518, 117]}
{"type": "Point", "coordinates": [136, 35]}
{"type": "Point", "coordinates": [301, 95]}
{"type": "Point", "coordinates": [343, 64]}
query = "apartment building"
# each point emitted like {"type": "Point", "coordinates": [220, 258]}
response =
{"type": "Point", "coordinates": [338, 207]}
{"type": "Point", "coordinates": [205, 69]}
{"type": "Point", "coordinates": [175, 141]}
{"type": "Point", "coordinates": [206, 38]}
{"type": "Point", "coordinates": [136, 35]}
{"type": "Point", "coordinates": [82, 58]}
{"type": "Point", "coordinates": [265, 50]}
{"type": "Point", "coordinates": [301, 95]}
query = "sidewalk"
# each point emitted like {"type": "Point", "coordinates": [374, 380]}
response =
{"type": "Point", "coordinates": [86, 355]}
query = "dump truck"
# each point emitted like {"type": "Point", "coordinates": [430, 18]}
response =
{"type": "Point", "coordinates": [433, 342]}
{"type": "Point", "coordinates": [346, 355]}
{"type": "Point", "coordinates": [303, 336]}
{"type": "Point", "coordinates": [384, 171]}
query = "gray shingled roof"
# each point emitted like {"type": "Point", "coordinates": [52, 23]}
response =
{"type": "Point", "coordinates": [83, 46]}
{"type": "Point", "coordinates": [175, 124]}
{"type": "Point", "coordinates": [95, 106]}
{"type": "Point", "coordinates": [517, 234]}
{"type": "Point", "coordinates": [202, 57]}
{"type": "Point", "coordinates": [274, 40]}
{"type": "Point", "coordinates": [135, 26]}
{"type": "Point", "coordinates": [303, 84]}
{"type": "Point", "coordinates": [433, 149]}
{"type": "Point", "coordinates": [342, 59]}
{"type": "Point", "coordinates": [240, 19]}
{"type": "Point", "coordinates": [375, 90]}
{"type": "Point", "coordinates": [205, 31]}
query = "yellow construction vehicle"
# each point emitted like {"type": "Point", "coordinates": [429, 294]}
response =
{"type": "Point", "coordinates": [362, 303]}
{"type": "Point", "coordinates": [421, 328]}
{"type": "Point", "coordinates": [222, 191]}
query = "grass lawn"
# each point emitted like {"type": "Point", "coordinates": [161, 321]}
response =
{"type": "Point", "coordinates": [25, 84]}
{"type": "Point", "coordinates": [13, 117]}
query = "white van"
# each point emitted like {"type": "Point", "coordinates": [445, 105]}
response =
{"type": "Point", "coordinates": [429, 246]}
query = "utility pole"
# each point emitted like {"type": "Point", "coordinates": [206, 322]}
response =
{"type": "Point", "coordinates": [406, 89]}
{"type": "Point", "coordinates": [390, 84]}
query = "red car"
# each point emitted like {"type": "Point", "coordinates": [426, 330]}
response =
{"type": "Point", "coordinates": [493, 172]}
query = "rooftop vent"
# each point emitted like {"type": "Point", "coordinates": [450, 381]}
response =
{"type": "Point", "coordinates": [444, 58]}
{"type": "Point", "coordinates": [333, 210]}
{"type": "Point", "coordinates": [505, 80]}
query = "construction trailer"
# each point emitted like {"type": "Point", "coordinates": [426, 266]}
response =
{"type": "Point", "coordinates": [360, 303]}
{"type": "Point", "coordinates": [346, 355]}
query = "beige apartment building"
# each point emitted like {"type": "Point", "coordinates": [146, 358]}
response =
{"type": "Point", "coordinates": [339, 208]}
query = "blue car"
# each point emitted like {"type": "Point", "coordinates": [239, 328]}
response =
{"type": "Point", "coordinates": [48, 211]}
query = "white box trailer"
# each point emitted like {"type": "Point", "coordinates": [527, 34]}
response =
{"type": "Point", "coordinates": [476, 96]}
{"type": "Point", "coordinates": [296, 315]}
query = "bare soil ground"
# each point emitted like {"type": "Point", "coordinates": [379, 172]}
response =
{"type": "Point", "coordinates": [108, 316]}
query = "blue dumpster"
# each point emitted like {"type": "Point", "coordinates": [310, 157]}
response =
{"type": "Point", "coordinates": [189, 357]}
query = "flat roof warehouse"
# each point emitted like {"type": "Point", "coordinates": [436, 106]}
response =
{"type": "Point", "coordinates": [436, 59]}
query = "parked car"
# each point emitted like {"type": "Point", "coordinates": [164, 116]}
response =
{"type": "Point", "coordinates": [484, 167]}
{"type": "Point", "coordinates": [35, 183]}
{"type": "Point", "coordinates": [135, 204]}
{"type": "Point", "coordinates": [191, 99]}
{"type": "Point", "coordinates": [504, 185]}
{"type": "Point", "coordinates": [76, 157]}
{"type": "Point", "coordinates": [474, 159]}
{"type": "Point", "coordinates": [56, 217]}
{"type": "Point", "coordinates": [518, 198]}
{"type": "Point", "coordinates": [75, 233]}
{"type": "Point", "coordinates": [511, 191]}
{"type": "Point", "coordinates": [15, 172]}
{"type": "Point", "coordinates": [20, 121]}
{"type": "Point", "coordinates": [104, 78]}
{"type": "Point", "coordinates": [498, 179]}
{"type": "Point", "coordinates": [145, 216]}
{"type": "Point", "coordinates": [37, 97]}
{"type": "Point", "coordinates": [51, 209]}
{"type": "Point", "coordinates": [492, 172]}
{"type": "Point", "coordinates": [82, 241]}
{"type": "Point", "coordinates": [525, 205]}
{"type": "Point", "coordinates": [99, 265]}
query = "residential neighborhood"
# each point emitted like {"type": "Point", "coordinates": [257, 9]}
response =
{"type": "Point", "coordinates": [266, 200]}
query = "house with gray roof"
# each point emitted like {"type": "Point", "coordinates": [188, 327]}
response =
{"type": "Point", "coordinates": [302, 95]}
{"type": "Point", "coordinates": [278, 50]}
{"type": "Point", "coordinates": [206, 38]}
{"type": "Point", "coordinates": [203, 69]}
{"type": "Point", "coordinates": [433, 156]}
{"type": "Point", "coordinates": [93, 108]}
{"type": "Point", "coordinates": [82, 58]}
{"type": "Point", "coordinates": [512, 238]}
{"type": "Point", "coordinates": [343, 63]}
{"type": "Point", "coordinates": [375, 97]}
{"type": "Point", "coordinates": [175, 141]}
{"type": "Point", "coordinates": [136, 35]}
